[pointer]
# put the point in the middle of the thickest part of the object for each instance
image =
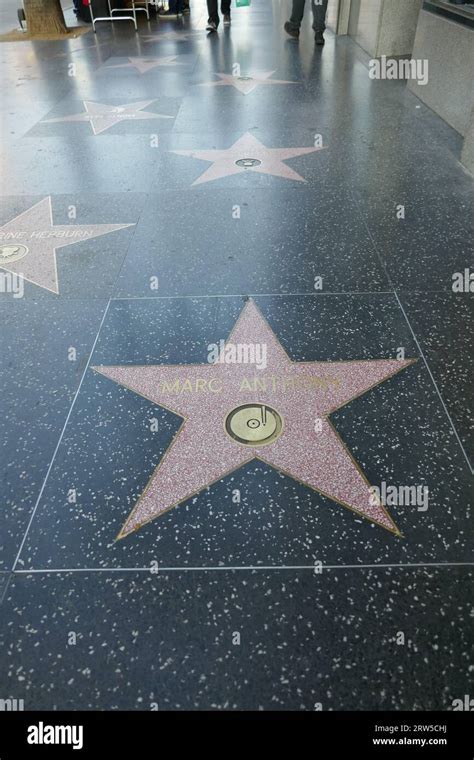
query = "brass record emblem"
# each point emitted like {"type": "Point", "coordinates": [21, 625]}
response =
{"type": "Point", "coordinates": [254, 424]}
{"type": "Point", "coordinates": [248, 163]}
{"type": "Point", "coordinates": [12, 252]}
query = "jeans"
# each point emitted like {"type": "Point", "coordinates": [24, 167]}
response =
{"type": "Point", "coordinates": [176, 6]}
{"type": "Point", "coordinates": [319, 8]}
{"type": "Point", "coordinates": [213, 12]}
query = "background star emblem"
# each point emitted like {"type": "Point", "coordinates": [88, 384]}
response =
{"type": "Point", "coordinates": [243, 84]}
{"type": "Point", "coordinates": [146, 64]}
{"type": "Point", "coordinates": [202, 452]}
{"type": "Point", "coordinates": [34, 230]}
{"type": "Point", "coordinates": [247, 146]}
{"type": "Point", "coordinates": [101, 116]}
{"type": "Point", "coordinates": [172, 36]}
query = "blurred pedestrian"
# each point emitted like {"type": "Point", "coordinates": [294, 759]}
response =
{"type": "Point", "coordinates": [175, 8]}
{"type": "Point", "coordinates": [319, 7]}
{"type": "Point", "coordinates": [213, 22]}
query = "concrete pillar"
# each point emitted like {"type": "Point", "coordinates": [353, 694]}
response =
{"type": "Point", "coordinates": [467, 157]}
{"type": "Point", "coordinates": [449, 48]}
{"type": "Point", "coordinates": [384, 27]}
{"type": "Point", "coordinates": [343, 16]}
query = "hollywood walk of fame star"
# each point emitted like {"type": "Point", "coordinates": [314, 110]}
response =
{"type": "Point", "coordinates": [246, 84]}
{"type": "Point", "coordinates": [233, 415]}
{"type": "Point", "coordinates": [28, 243]}
{"type": "Point", "coordinates": [142, 65]}
{"type": "Point", "coordinates": [172, 36]}
{"type": "Point", "coordinates": [247, 147]}
{"type": "Point", "coordinates": [101, 117]}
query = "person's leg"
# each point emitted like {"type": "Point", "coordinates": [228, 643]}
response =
{"type": "Point", "coordinates": [296, 14]}
{"type": "Point", "coordinates": [212, 11]}
{"type": "Point", "coordinates": [225, 10]}
{"type": "Point", "coordinates": [319, 14]}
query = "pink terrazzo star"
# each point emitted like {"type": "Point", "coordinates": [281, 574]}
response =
{"type": "Point", "coordinates": [102, 116]}
{"type": "Point", "coordinates": [270, 160]}
{"type": "Point", "coordinates": [302, 393]}
{"type": "Point", "coordinates": [173, 36]}
{"type": "Point", "coordinates": [246, 84]}
{"type": "Point", "coordinates": [28, 243]}
{"type": "Point", "coordinates": [143, 65]}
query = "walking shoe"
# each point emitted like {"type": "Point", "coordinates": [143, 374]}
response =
{"type": "Point", "coordinates": [169, 14]}
{"type": "Point", "coordinates": [291, 31]}
{"type": "Point", "coordinates": [211, 26]}
{"type": "Point", "coordinates": [319, 38]}
{"type": "Point", "coordinates": [226, 19]}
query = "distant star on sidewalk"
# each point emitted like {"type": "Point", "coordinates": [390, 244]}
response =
{"type": "Point", "coordinates": [246, 84]}
{"type": "Point", "coordinates": [247, 147]}
{"type": "Point", "coordinates": [172, 36]}
{"type": "Point", "coordinates": [146, 64]}
{"type": "Point", "coordinates": [101, 117]}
